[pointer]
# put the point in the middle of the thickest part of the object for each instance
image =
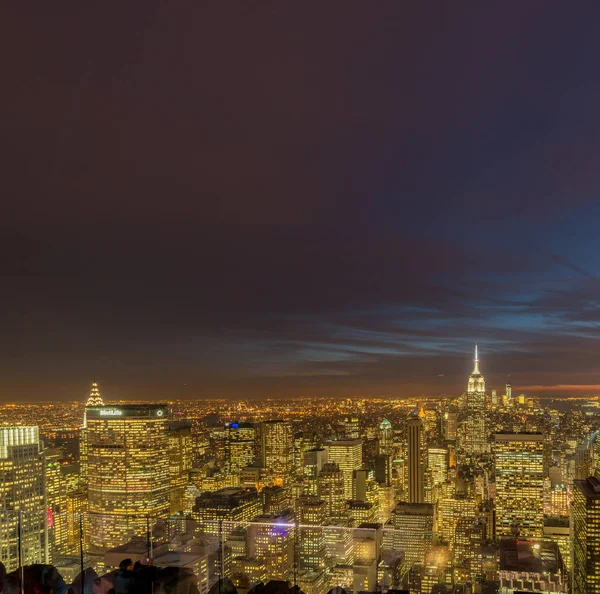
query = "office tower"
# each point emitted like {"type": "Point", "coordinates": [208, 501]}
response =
{"type": "Point", "coordinates": [360, 512]}
{"type": "Point", "coordinates": [180, 463]}
{"type": "Point", "coordinates": [276, 500]}
{"type": "Point", "coordinates": [234, 507]}
{"type": "Point", "coordinates": [583, 461]}
{"type": "Point", "coordinates": [431, 420]}
{"type": "Point", "coordinates": [476, 436]}
{"type": "Point", "coordinates": [271, 540]}
{"type": "Point", "coordinates": [383, 469]}
{"type": "Point", "coordinates": [585, 530]}
{"type": "Point", "coordinates": [277, 439]}
{"type": "Point", "coordinates": [508, 393]}
{"type": "Point", "coordinates": [22, 498]}
{"type": "Point", "coordinates": [367, 553]}
{"type": "Point", "coordinates": [385, 444]}
{"type": "Point", "coordinates": [519, 484]}
{"type": "Point", "coordinates": [558, 529]}
{"type": "Point", "coordinates": [413, 530]}
{"type": "Point", "coordinates": [331, 489]}
{"type": "Point", "coordinates": [416, 458]}
{"type": "Point", "coordinates": [312, 515]}
{"type": "Point", "coordinates": [314, 460]}
{"type": "Point", "coordinates": [302, 443]}
{"type": "Point", "coordinates": [347, 454]}
{"type": "Point", "coordinates": [437, 472]}
{"type": "Point", "coordinates": [359, 485]}
{"type": "Point", "coordinates": [240, 446]}
{"type": "Point", "coordinates": [128, 471]}
{"type": "Point", "coordinates": [450, 510]}
{"type": "Point", "coordinates": [56, 504]}
{"type": "Point", "coordinates": [469, 534]}
{"type": "Point", "coordinates": [351, 428]}
{"type": "Point", "coordinates": [450, 425]}
{"type": "Point", "coordinates": [494, 397]}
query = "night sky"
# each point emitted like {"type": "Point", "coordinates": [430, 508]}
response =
{"type": "Point", "coordinates": [277, 199]}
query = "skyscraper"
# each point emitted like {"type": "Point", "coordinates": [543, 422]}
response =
{"type": "Point", "coordinates": [347, 453]}
{"type": "Point", "coordinates": [22, 498]}
{"type": "Point", "coordinates": [351, 428]}
{"type": "Point", "coordinates": [278, 449]}
{"type": "Point", "coordinates": [519, 459]}
{"type": "Point", "coordinates": [128, 471]}
{"type": "Point", "coordinates": [385, 443]}
{"type": "Point", "coordinates": [437, 472]}
{"type": "Point", "coordinates": [180, 463]}
{"type": "Point", "coordinates": [314, 460]}
{"type": "Point", "coordinates": [331, 490]}
{"type": "Point", "coordinates": [240, 446]}
{"type": "Point", "coordinates": [476, 436]}
{"type": "Point", "coordinates": [585, 527]}
{"type": "Point", "coordinates": [416, 458]}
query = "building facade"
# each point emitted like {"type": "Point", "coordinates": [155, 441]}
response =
{"type": "Point", "coordinates": [128, 477]}
{"type": "Point", "coordinates": [519, 467]}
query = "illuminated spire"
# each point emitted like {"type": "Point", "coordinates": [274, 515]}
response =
{"type": "Point", "coordinates": [95, 399]}
{"type": "Point", "coordinates": [476, 368]}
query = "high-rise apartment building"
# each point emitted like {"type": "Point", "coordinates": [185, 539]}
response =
{"type": "Point", "coordinates": [22, 498]}
{"type": "Point", "coordinates": [277, 439]}
{"type": "Point", "coordinates": [585, 531]}
{"type": "Point", "coordinates": [416, 454]}
{"type": "Point", "coordinates": [475, 441]}
{"type": "Point", "coordinates": [519, 461]}
{"type": "Point", "coordinates": [128, 478]}
{"type": "Point", "coordinates": [347, 454]}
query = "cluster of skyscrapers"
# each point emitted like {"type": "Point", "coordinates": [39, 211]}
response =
{"type": "Point", "coordinates": [476, 492]}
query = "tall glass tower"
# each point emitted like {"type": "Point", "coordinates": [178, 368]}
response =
{"type": "Point", "coordinates": [22, 498]}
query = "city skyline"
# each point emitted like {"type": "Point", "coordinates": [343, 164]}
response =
{"type": "Point", "coordinates": [185, 392]}
{"type": "Point", "coordinates": [261, 202]}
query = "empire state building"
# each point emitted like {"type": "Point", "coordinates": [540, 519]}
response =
{"type": "Point", "coordinates": [476, 436]}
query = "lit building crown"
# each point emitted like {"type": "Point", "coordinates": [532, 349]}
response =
{"type": "Point", "coordinates": [95, 399]}
{"type": "Point", "coordinates": [476, 380]}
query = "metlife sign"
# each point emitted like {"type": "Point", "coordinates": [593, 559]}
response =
{"type": "Point", "coordinates": [111, 412]}
{"type": "Point", "coordinates": [139, 411]}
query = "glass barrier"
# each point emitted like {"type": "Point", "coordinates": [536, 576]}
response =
{"type": "Point", "coordinates": [202, 554]}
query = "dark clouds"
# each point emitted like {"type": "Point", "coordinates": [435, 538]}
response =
{"type": "Point", "coordinates": [268, 199]}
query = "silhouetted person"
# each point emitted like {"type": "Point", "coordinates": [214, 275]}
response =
{"type": "Point", "coordinates": [124, 578]}
{"type": "Point", "coordinates": [144, 576]}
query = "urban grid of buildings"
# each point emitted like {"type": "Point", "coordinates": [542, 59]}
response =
{"type": "Point", "coordinates": [483, 493]}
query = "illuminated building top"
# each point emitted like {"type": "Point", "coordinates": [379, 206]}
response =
{"type": "Point", "coordinates": [476, 380]}
{"type": "Point", "coordinates": [95, 399]}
